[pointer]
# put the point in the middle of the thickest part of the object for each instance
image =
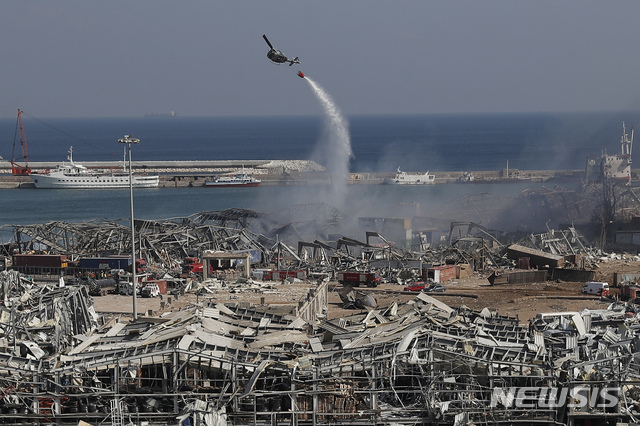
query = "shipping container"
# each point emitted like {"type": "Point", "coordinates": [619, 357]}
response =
{"type": "Point", "coordinates": [40, 260]}
{"type": "Point", "coordinates": [105, 263]}
{"type": "Point", "coordinates": [629, 292]}
{"type": "Point", "coordinates": [371, 279]}
{"type": "Point", "coordinates": [40, 264]}
{"type": "Point", "coordinates": [439, 274]}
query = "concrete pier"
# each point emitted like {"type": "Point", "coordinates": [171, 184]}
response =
{"type": "Point", "coordinates": [283, 172]}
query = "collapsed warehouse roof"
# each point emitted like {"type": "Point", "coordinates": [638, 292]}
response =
{"type": "Point", "coordinates": [235, 364]}
{"type": "Point", "coordinates": [222, 364]}
{"type": "Point", "coordinates": [164, 244]}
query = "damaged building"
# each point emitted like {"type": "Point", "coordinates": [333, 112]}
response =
{"type": "Point", "coordinates": [238, 363]}
{"type": "Point", "coordinates": [222, 364]}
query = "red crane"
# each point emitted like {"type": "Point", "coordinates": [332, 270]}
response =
{"type": "Point", "coordinates": [16, 168]}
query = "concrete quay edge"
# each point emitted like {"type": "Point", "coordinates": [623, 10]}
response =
{"type": "Point", "coordinates": [282, 172]}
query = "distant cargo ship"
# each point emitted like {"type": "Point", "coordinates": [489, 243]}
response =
{"type": "Point", "coordinates": [169, 114]}
{"type": "Point", "coordinates": [240, 179]}
{"type": "Point", "coordinates": [405, 178]}
{"type": "Point", "coordinates": [71, 175]}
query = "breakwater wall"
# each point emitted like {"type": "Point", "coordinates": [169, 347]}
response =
{"type": "Point", "coordinates": [285, 172]}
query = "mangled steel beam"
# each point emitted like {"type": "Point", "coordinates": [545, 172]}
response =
{"type": "Point", "coordinates": [422, 362]}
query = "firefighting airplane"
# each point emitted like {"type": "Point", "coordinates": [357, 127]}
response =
{"type": "Point", "coordinates": [277, 57]}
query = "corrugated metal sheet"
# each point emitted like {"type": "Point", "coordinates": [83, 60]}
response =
{"type": "Point", "coordinates": [519, 277]}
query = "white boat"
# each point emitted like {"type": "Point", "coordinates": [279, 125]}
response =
{"type": "Point", "coordinates": [240, 179]}
{"type": "Point", "coordinates": [71, 175]}
{"type": "Point", "coordinates": [405, 178]}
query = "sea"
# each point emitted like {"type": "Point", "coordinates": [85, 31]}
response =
{"type": "Point", "coordinates": [420, 143]}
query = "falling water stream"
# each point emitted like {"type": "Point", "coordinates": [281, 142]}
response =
{"type": "Point", "coordinates": [334, 151]}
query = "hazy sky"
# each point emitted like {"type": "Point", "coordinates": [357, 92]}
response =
{"type": "Point", "coordinates": [207, 58]}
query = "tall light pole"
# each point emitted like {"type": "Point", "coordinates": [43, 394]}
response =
{"type": "Point", "coordinates": [128, 139]}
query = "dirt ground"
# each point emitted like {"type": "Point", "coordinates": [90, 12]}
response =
{"type": "Point", "coordinates": [522, 301]}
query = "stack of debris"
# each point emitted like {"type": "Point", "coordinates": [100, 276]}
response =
{"type": "Point", "coordinates": [271, 240]}
{"type": "Point", "coordinates": [421, 362]}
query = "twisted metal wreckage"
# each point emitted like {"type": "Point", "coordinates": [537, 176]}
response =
{"type": "Point", "coordinates": [227, 364]}
{"type": "Point", "coordinates": [423, 362]}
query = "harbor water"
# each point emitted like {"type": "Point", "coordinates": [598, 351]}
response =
{"type": "Point", "coordinates": [379, 144]}
{"type": "Point", "coordinates": [28, 206]}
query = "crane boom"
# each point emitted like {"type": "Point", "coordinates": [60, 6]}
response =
{"type": "Point", "coordinates": [16, 168]}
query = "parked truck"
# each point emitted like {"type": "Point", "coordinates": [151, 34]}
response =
{"type": "Point", "coordinates": [193, 265]}
{"type": "Point", "coordinates": [356, 278]}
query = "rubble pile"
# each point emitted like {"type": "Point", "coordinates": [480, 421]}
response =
{"type": "Point", "coordinates": [235, 363]}
{"type": "Point", "coordinates": [41, 320]}
{"type": "Point", "coordinates": [302, 237]}
{"type": "Point", "coordinates": [421, 362]}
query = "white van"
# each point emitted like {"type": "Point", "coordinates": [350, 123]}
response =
{"type": "Point", "coordinates": [151, 290]}
{"type": "Point", "coordinates": [595, 287]}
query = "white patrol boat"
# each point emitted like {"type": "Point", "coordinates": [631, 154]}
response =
{"type": "Point", "coordinates": [71, 175]}
{"type": "Point", "coordinates": [405, 178]}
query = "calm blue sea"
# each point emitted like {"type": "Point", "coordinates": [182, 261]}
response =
{"type": "Point", "coordinates": [379, 143]}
